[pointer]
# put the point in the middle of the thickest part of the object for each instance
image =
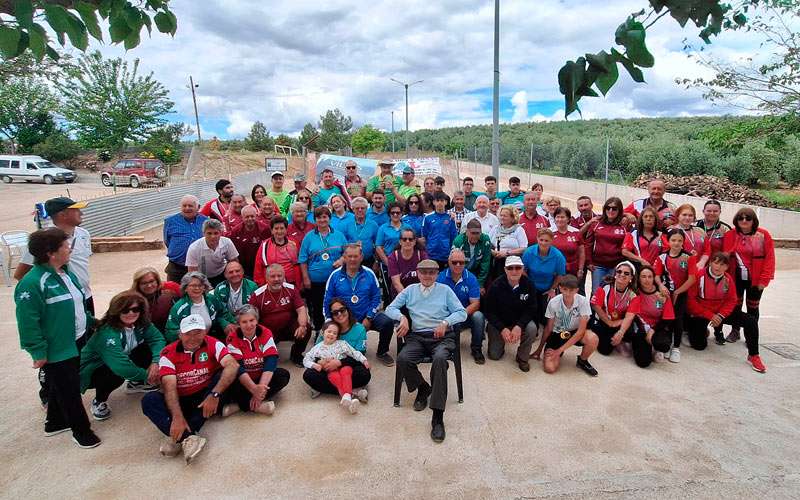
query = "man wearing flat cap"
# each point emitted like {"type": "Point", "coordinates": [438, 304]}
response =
{"type": "Point", "coordinates": [385, 181]}
{"type": "Point", "coordinates": [434, 309]}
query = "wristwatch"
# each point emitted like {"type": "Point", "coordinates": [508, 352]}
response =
{"type": "Point", "coordinates": [214, 394]}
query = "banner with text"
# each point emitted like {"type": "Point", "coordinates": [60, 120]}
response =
{"type": "Point", "coordinates": [367, 167]}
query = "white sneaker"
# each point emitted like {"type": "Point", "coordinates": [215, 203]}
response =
{"type": "Point", "coordinates": [362, 395]}
{"type": "Point", "coordinates": [266, 408]}
{"type": "Point", "coordinates": [658, 357]}
{"type": "Point", "coordinates": [169, 448]}
{"type": "Point", "coordinates": [100, 410]}
{"type": "Point", "coordinates": [230, 409]}
{"type": "Point", "coordinates": [675, 355]}
{"type": "Point", "coordinates": [353, 407]}
{"type": "Point", "coordinates": [315, 394]}
{"type": "Point", "coordinates": [345, 402]}
{"type": "Point", "coordinates": [192, 446]}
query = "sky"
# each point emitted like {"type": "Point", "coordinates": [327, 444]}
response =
{"type": "Point", "coordinates": [286, 62]}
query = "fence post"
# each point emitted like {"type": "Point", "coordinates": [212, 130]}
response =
{"type": "Point", "coordinates": [530, 167]}
{"type": "Point", "coordinates": [608, 144]}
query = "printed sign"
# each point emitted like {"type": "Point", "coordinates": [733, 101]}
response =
{"type": "Point", "coordinates": [422, 166]}
{"type": "Point", "coordinates": [275, 164]}
{"type": "Point", "coordinates": [367, 167]}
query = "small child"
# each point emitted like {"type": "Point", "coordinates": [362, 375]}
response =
{"type": "Point", "coordinates": [333, 348]}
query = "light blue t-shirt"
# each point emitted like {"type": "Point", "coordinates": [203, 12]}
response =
{"type": "Point", "coordinates": [542, 271]}
{"type": "Point", "coordinates": [320, 252]}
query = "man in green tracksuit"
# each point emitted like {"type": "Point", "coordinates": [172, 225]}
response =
{"type": "Point", "coordinates": [477, 249]}
{"type": "Point", "coordinates": [53, 324]}
{"type": "Point", "coordinates": [196, 299]}
{"type": "Point", "coordinates": [236, 290]}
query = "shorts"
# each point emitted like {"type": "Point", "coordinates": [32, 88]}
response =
{"type": "Point", "coordinates": [558, 339]}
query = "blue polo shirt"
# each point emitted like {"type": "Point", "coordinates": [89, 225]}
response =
{"type": "Point", "coordinates": [414, 221]}
{"type": "Point", "coordinates": [388, 237]}
{"type": "Point", "coordinates": [379, 218]}
{"type": "Point", "coordinates": [467, 287]}
{"type": "Point", "coordinates": [366, 234]}
{"type": "Point", "coordinates": [439, 231]}
{"type": "Point", "coordinates": [324, 195]}
{"type": "Point", "coordinates": [179, 233]}
{"type": "Point", "coordinates": [507, 199]}
{"type": "Point", "coordinates": [314, 250]}
{"type": "Point", "coordinates": [343, 224]}
{"type": "Point", "coordinates": [542, 271]}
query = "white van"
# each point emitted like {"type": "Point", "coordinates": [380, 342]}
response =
{"type": "Point", "coordinates": [32, 168]}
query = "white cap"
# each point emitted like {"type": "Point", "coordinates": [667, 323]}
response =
{"type": "Point", "coordinates": [192, 322]}
{"type": "Point", "coordinates": [513, 260]}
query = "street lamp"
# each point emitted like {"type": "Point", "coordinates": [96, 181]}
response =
{"type": "Point", "coordinates": [496, 95]}
{"type": "Point", "coordinates": [193, 86]}
{"type": "Point", "coordinates": [406, 85]}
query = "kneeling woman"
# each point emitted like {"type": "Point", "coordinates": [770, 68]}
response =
{"type": "Point", "coordinates": [255, 350]}
{"type": "Point", "coordinates": [654, 321]}
{"type": "Point", "coordinates": [615, 306]}
{"type": "Point", "coordinates": [126, 346]}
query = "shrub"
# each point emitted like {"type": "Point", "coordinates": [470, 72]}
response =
{"type": "Point", "coordinates": [57, 147]}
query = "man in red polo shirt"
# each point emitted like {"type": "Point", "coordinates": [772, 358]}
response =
{"type": "Point", "coordinates": [530, 220]}
{"type": "Point", "coordinates": [247, 237]}
{"type": "Point", "coordinates": [283, 311]}
{"type": "Point", "coordinates": [666, 210]}
{"type": "Point", "coordinates": [195, 370]}
{"type": "Point", "coordinates": [299, 226]}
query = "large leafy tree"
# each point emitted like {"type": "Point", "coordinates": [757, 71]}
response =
{"type": "Point", "coordinates": [259, 139]}
{"type": "Point", "coordinates": [366, 139]}
{"type": "Point", "coordinates": [22, 24]}
{"type": "Point", "coordinates": [334, 130]}
{"type": "Point", "coordinates": [26, 106]}
{"type": "Point", "coordinates": [108, 103]}
{"type": "Point", "coordinates": [598, 72]}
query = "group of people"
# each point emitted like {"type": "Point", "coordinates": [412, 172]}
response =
{"type": "Point", "coordinates": [327, 264]}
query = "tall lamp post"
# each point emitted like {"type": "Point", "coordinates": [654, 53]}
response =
{"type": "Point", "coordinates": [193, 86]}
{"type": "Point", "coordinates": [406, 85]}
{"type": "Point", "coordinates": [496, 95]}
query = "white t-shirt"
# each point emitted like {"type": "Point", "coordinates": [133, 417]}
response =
{"type": "Point", "coordinates": [130, 340]}
{"type": "Point", "coordinates": [517, 239]}
{"type": "Point", "coordinates": [202, 310]}
{"type": "Point", "coordinates": [77, 303]}
{"type": "Point", "coordinates": [567, 318]}
{"type": "Point", "coordinates": [488, 222]}
{"type": "Point", "coordinates": [211, 262]}
{"type": "Point", "coordinates": [81, 243]}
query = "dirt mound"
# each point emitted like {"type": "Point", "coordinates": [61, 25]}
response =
{"type": "Point", "coordinates": [706, 186]}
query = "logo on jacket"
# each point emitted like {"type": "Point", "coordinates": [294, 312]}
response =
{"type": "Point", "coordinates": [111, 342]}
{"type": "Point", "coordinates": [24, 296]}
{"type": "Point", "coordinates": [203, 357]}
{"type": "Point", "coordinates": [523, 296]}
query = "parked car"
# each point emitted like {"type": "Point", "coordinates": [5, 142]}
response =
{"type": "Point", "coordinates": [31, 168]}
{"type": "Point", "coordinates": [135, 172]}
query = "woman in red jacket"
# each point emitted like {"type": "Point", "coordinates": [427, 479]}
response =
{"type": "Point", "coordinates": [713, 301]}
{"type": "Point", "coordinates": [654, 320]}
{"type": "Point", "coordinates": [753, 254]}
{"type": "Point", "coordinates": [643, 245]}
{"type": "Point", "coordinates": [615, 305]}
{"type": "Point", "coordinates": [569, 241]}
{"type": "Point", "coordinates": [604, 239]}
{"type": "Point", "coordinates": [715, 229]}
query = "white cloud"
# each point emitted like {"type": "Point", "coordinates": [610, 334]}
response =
{"type": "Point", "coordinates": [239, 124]}
{"type": "Point", "coordinates": [520, 103]}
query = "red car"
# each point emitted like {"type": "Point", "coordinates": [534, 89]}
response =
{"type": "Point", "coordinates": [135, 172]}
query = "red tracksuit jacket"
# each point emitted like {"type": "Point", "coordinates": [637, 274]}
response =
{"type": "Point", "coordinates": [761, 261]}
{"type": "Point", "coordinates": [708, 296]}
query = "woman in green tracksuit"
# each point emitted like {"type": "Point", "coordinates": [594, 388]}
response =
{"type": "Point", "coordinates": [53, 322]}
{"type": "Point", "coordinates": [126, 346]}
{"type": "Point", "coordinates": [196, 299]}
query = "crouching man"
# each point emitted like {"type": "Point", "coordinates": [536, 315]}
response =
{"type": "Point", "coordinates": [195, 370]}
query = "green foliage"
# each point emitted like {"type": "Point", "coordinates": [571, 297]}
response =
{"type": "Point", "coordinates": [164, 143]}
{"type": "Point", "coordinates": [367, 139]}
{"type": "Point", "coordinates": [26, 107]}
{"type": "Point", "coordinates": [334, 129]}
{"type": "Point", "coordinates": [308, 138]}
{"type": "Point", "coordinates": [23, 27]}
{"type": "Point", "coordinates": [284, 140]}
{"type": "Point", "coordinates": [259, 139]}
{"type": "Point", "coordinates": [108, 104]}
{"type": "Point", "coordinates": [36, 131]}
{"type": "Point", "coordinates": [57, 147]}
{"type": "Point", "coordinates": [766, 163]}
{"type": "Point", "coordinates": [791, 161]}
{"type": "Point", "coordinates": [784, 199]}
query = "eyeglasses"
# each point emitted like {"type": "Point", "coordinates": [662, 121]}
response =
{"type": "Point", "coordinates": [620, 272]}
{"type": "Point", "coordinates": [129, 310]}
{"type": "Point", "coordinates": [744, 217]}
{"type": "Point", "coordinates": [336, 312]}
{"type": "Point", "coordinates": [407, 239]}
{"type": "Point", "coordinates": [395, 212]}
{"type": "Point", "coordinates": [195, 285]}
{"type": "Point", "coordinates": [457, 262]}
{"type": "Point", "coordinates": [303, 198]}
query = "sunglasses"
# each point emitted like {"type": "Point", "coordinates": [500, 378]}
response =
{"type": "Point", "coordinates": [413, 203]}
{"type": "Point", "coordinates": [457, 262]}
{"type": "Point", "coordinates": [350, 168]}
{"type": "Point", "coordinates": [407, 239]}
{"type": "Point", "coordinates": [514, 268]}
{"type": "Point", "coordinates": [305, 198]}
{"type": "Point", "coordinates": [615, 209]}
{"type": "Point", "coordinates": [620, 272]}
{"type": "Point", "coordinates": [129, 310]}
{"type": "Point", "coordinates": [336, 312]}
{"type": "Point", "coordinates": [744, 217]}
{"type": "Point", "coordinates": [395, 213]}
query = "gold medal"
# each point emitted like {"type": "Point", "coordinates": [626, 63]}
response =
{"type": "Point", "coordinates": [615, 315]}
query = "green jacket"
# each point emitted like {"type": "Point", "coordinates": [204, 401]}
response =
{"type": "Point", "coordinates": [479, 266]}
{"type": "Point", "coordinates": [46, 314]}
{"type": "Point", "coordinates": [107, 347]}
{"type": "Point", "coordinates": [183, 307]}
{"type": "Point", "coordinates": [223, 292]}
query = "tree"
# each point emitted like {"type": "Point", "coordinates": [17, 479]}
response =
{"type": "Point", "coordinates": [57, 147]}
{"type": "Point", "coordinates": [599, 72]}
{"type": "Point", "coordinates": [308, 138]}
{"type": "Point", "coordinates": [367, 139]}
{"type": "Point", "coordinates": [284, 140]}
{"type": "Point", "coordinates": [22, 25]}
{"type": "Point", "coordinates": [108, 104]}
{"type": "Point", "coordinates": [258, 139]}
{"type": "Point", "coordinates": [164, 142]}
{"type": "Point", "coordinates": [333, 130]}
{"type": "Point", "coordinates": [26, 105]}
{"type": "Point", "coordinates": [771, 87]}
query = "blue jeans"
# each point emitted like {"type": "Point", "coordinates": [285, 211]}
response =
{"type": "Point", "coordinates": [598, 276]}
{"type": "Point", "coordinates": [154, 407]}
{"type": "Point", "coordinates": [477, 324]}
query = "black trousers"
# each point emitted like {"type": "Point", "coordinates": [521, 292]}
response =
{"type": "Point", "coordinates": [287, 334]}
{"type": "Point", "coordinates": [237, 393]}
{"type": "Point", "coordinates": [104, 381]}
{"type": "Point", "coordinates": [643, 350]}
{"type": "Point", "coordinates": [419, 346]}
{"type": "Point", "coordinates": [175, 271]}
{"type": "Point", "coordinates": [751, 296]}
{"type": "Point", "coordinates": [65, 406]}
{"type": "Point", "coordinates": [542, 299]}
{"type": "Point", "coordinates": [678, 325]}
{"type": "Point", "coordinates": [318, 380]}
{"type": "Point", "coordinates": [604, 334]}
{"type": "Point", "coordinates": [314, 299]}
{"type": "Point", "coordinates": [698, 333]}
{"type": "Point", "coordinates": [44, 388]}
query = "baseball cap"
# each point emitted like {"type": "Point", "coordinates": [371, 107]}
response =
{"type": "Point", "coordinates": [513, 260]}
{"type": "Point", "coordinates": [428, 264]}
{"type": "Point", "coordinates": [192, 322]}
{"type": "Point", "coordinates": [386, 162]}
{"type": "Point", "coordinates": [55, 205]}
{"type": "Point", "coordinates": [408, 169]}
{"type": "Point", "coordinates": [276, 174]}
{"type": "Point", "coordinates": [299, 178]}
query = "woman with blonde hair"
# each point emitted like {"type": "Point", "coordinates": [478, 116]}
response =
{"type": "Point", "coordinates": [160, 295]}
{"type": "Point", "coordinates": [507, 239]}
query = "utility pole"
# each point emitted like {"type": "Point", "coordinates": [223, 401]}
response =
{"type": "Point", "coordinates": [392, 131]}
{"type": "Point", "coordinates": [192, 86]}
{"type": "Point", "coordinates": [406, 85]}
{"type": "Point", "coordinates": [496, 96]}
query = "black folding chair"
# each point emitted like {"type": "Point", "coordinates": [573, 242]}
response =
{"type": "Point", "coordinates": [455, 357]}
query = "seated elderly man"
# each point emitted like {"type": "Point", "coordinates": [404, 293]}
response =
{"type": "Point", "coordinates": [434, 309]}
{"type": "Point", "coordinates": [236, 290]}
{"type": "Point", "coordinates": [282, 311]}
{"type": "Point", "coordinates": [195, 370]}
{"type": "Point", "coordinates": [468, 291]}
{"type": "Point", "coordinates": [212, 252]}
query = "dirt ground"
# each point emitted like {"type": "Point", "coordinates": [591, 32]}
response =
{"type": "Point", "coordinates": [708, 427]}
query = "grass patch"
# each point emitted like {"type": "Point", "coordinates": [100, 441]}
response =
{"type": "Point", "coordinates": [786, 199]}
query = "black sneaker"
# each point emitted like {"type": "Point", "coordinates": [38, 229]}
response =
{"type": "Point", "coordinates": [586, 366]}
{"type": "Point", "coordinates": [525, 366]}
{"type": "Point", "coordinates": [437, 432]}
{"type": "Point", "coordinates": [53, 429]}
{"type": "Point", "coordinates": [421, 401]}
{"type": "Point", "coordinates": [88, 440]}
{"type": "Point", "coordinates": [386, 359]}
{"type": "Point", "coordinates": [477, 355]}
{"type": "Point", "coordinates": [719, 338]}
{"type": "Point", "coordinates": [298, 361]}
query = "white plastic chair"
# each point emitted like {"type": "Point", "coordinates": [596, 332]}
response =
{"type": "Point", "coordinates": [14, 244]}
